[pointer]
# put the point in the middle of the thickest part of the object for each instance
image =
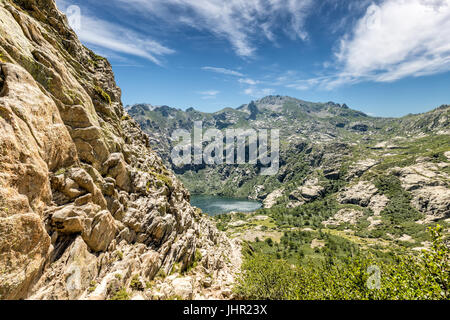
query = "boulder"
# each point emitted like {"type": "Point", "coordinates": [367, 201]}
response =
{"type": "Point", "coordinates": [360, 167]}
{"type": "Point", "coordinates": [359, 194]}
{"type": "Point", "coordinates": [434, 202]}
{"type": "Point", "coordinates": [350, 216]}
{"type": "Point", "coordinates": [182, 287]}
{"type": "Point", "coordinates": [67, 221]}
{"type": "Point", "coordinates": [100, 232]}
{"type": "Point", "coordinates": [377, 203]}
{"type": "Point", "coordinates": [272, 198]}
{"type": "Point", "coordinates": [116, 168]}
{"type": "Point", "coordinates": [447, 154]}
{"type": "Point", "coordinates": [311, 192]}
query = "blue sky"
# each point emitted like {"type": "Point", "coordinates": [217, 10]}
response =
{"type": "Point", "coordinates": [385, 57]}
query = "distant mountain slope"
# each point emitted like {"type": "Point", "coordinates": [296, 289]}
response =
{"type": "Point", "coordinates": [296, 119]}
{"type": "Point", "coordinates": [333, 159]}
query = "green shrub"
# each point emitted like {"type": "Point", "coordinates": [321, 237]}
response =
{"type": "Point", "coordinates": [163, 178]}
{"type": "Point", "coordinates": [136, 284]}
{"type": "Point", "coordinates": [265, 279]}
{"type": "Point", "coordinates": [103, 94]}
{"type": "Point", "coordinates": [408, 277]}
{"type": "Point", "coordinates": [399, 213]}
{"type": "Point", "coordinates": [119, 255]}
{"type": "Point", "coordinates": [92, 287]}
{"type": "Point", "coordinates": [121, 294]}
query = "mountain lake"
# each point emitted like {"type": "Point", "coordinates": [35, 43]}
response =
{"type": "Point", "coordinates": [215, 205]}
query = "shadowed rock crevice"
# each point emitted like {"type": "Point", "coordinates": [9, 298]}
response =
{"type": "Point", "coordinates": [2, 82]}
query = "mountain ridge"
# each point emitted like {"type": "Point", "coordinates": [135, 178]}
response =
{"type": "Point", "coordinates": [244, 106]}
{"type": "Point", "coordinates": [324, 121]}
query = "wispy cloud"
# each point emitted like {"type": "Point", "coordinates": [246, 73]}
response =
{"type": "Point", "coordinates": [258, 93]}
{"type": "Point", "coordinates": [110, 36]}
{"type": "Point", "coordinates": [210, 94]}
{"type": "Point", "coordinates": [238, 21]}
{"type": "Point", "coordinates": [225, 71]}
{"type": "Point", "coordinates": [248, 81]}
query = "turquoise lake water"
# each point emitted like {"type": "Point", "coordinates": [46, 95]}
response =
{"type": "Point", "coordinates": [214, 205]}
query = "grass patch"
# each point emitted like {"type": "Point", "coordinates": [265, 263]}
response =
{"type": "Point", "coordinates": [121, 294]}
{"type": "Point", "coordinates": [92, 287]}
{"type": "Point", "coordinates": [105, 97]}
{"type": "Point", "coordinates": [136, 284]}
{"type": "Point", "coordinates": [165, 179]}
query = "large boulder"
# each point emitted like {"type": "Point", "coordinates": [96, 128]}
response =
{"type": "Point", "coordinates": [359, 194]}
{"type": "Point", "coordinates": [99, 231]}
{"type": "Point", "coordinates": [434, 202]}
{"type": "Point", "coordinates": [182, 288]}
{"type": "Point", "coordinates": [116, 168]}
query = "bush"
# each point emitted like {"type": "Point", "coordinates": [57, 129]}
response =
{"type": "Point", "coordinates": [122, 294]}
{"type": "Point", "coordinates": [408, 277]}
{"type": "Point", "coordinates": [265, 279]}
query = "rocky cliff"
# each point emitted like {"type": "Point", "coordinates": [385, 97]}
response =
{"type": "Point", "coordinates": [87, 209]}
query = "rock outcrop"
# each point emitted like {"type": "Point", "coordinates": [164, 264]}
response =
{"type": "Point", "coordinates": [344, 216]}
{"type": "Point", "coordinates": [272, 198]}
{"type": "Point", "coordinates": [359, 194]}
{"type": "Point", "coordinates": [87, 209]}
{"type": "Point", "coordinates": [428, 184]}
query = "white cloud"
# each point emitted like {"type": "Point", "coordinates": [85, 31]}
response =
{"type": "Point", "coordinates": [223, 71]}
{"type": "Point", "coordinates": [103, 34]}
{"type": "Point", "coordinates": [397, 39]}
{"type": "Point", "coordinates": [393, 40]}
{"type": "Point", "coordinates": [210, 94]}
{"type": "Point", "coordinates": [248, 81]}
{"type": "Point", "coordinates": [238, 21]}
{"type": "Point", "coordinates": [258, 93]}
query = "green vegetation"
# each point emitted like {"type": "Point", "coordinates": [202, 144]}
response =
{"type": "Point", "coordinates": [195, 261]}
{"type": "Point", "coordinates": [119, 255]}
{"type": "Point", "coordinates": [163, 178]}
{"type": "Point", "coordinates": [149, 284]}
{"type": "Point", "coordinates": [103, 94]}
{"type": "Point", "coordinates": [311, 214]}
{"type": "Point", "coordinates": [121, 294]}
{"type": "Point", "coordinates": [424, 276]}
{"type": "Point", "coordinates": [398, 217]}
{"type": "Point", "coordinates": [92, 287]}
{"type": "Point", "coordinates": [136, 283]}
{"type": "Point", "coordinates": [98, 58]}
{"type": "Point", "coordinates": [432, 146]}
{"type": "Point", "coordinates": [161, 274]}
{"type": "Point", "coordinates": [60, 171]}
{"type": "Point", "coordinates": [295, 247]}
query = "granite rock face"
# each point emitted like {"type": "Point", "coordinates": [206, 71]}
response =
{"type": "Point", "coordinates": [85, 205]}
